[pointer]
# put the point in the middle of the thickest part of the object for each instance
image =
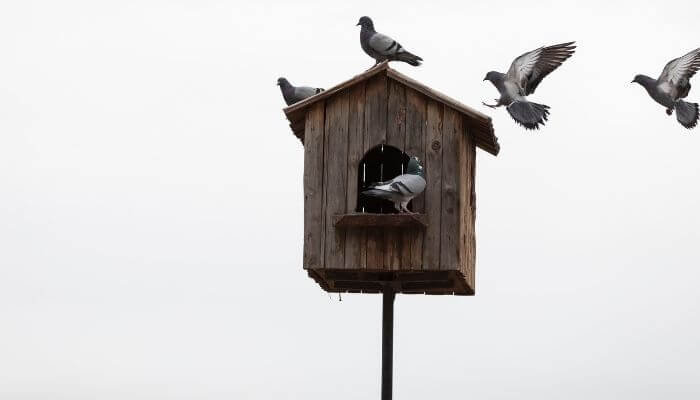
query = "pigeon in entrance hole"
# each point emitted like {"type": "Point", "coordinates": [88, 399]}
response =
{"type": "Point", "coordinates": [525, 74]}
{"type": "Point", "coordinates": [381, 47]}
{"type": "Point", "coordinates": [673, 85]}
{"type": "Point", "coordinates": [401, 189]}
{"type": "Point", "coordinates": [294, 94]}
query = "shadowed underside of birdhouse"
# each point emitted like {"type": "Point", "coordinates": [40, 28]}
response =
{"type": "Point", "coordinates": [364, 130]}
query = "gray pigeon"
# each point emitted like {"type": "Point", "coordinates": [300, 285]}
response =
{"type": "Point", "coordinates": [401, 189]}
{"type": "Point", "coordinates": [525, 74]}
{"type": "Point", "coordinates": [382, 47]}
{"type": "Point", "coordinates": [673, 85]}
{"type": "Point", "coordinates": [294, 94]}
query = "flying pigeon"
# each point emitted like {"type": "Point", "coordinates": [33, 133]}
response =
{"type": "Point", "coordinates": [294, 94]}
{"type": "Point", "coordinates": [525, 74]}
{"type": "Point", "coordinates": [382, 47]}
{"type": "Point", "coordinates": [401, 189]}
{"type": "Point", "coordinates": [673, 85]}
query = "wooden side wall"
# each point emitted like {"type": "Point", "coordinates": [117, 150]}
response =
{"type": "Point", "coordinates": [337, 135]}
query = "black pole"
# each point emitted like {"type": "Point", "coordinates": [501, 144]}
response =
{"type": "Point", "coordinates": [387, 341]}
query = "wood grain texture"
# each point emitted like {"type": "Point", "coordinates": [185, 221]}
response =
{"type": "Point", "coordinates": [376, 103]}
{"type": "Point", "coordinates": [471, 258]}
{"type": "Point", "coordinates": [398, 221]}
{"type": "Point", "coordinates": [397, 242]}
{"type": "Point", "coordinates": [467, 163]}
{"type": "Point", "coordinates": [416, 117]}
{"type": "Point", "coordinates": [355, 240]}
{"type": "Point", "coordinates": [449, 215]}
{"type": "Point", "coordinates": [433, 189]}
{"type": "Point", "coordinates": [313, 186]}
{"type": "Point", "coordinates": [335, 176]}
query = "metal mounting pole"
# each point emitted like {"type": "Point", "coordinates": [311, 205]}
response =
{"type": "Point", "coordinates": [387, 341]}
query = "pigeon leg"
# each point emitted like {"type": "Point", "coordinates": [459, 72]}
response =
{"type": "Point", "coordinates": [397, 206]}
{"type": "Point", "coordinates": [405, 208]}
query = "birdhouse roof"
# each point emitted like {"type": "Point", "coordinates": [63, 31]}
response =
{"type": "Point", "coordinates": [480, 123]}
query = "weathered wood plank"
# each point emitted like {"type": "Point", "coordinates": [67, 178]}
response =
{"type": "Point", "coordinates": [376, 99]}
{"type": "Point", "coordinates": [433, 189]}
{"type": "Point", "coordinates": [335, 174]}
{"type": "Point", "coordinates": [397, 242]}
{"type": "Point", "coordinates": [313, 186]}
{"type": "Point", "coordinates": [467, 160]}
{"type": "Point", "coordinates": [471, 258]}
{"type": "Point", "coordinates": [415, 146]}
{"type": "Point", "coordinates": [464, 194]}
{"type": "Point", "coordinates": [449, 217]}
{"type": "Point", "coordinates": [355, 240]}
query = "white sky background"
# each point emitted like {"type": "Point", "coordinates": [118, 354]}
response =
{"type": "Point", "coordinates": [151, 207]}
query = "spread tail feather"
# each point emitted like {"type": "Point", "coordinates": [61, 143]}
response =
{"type": "Point", "coordinates": [409, 58]}
{"type": "Point", "coordinates": [687, 113]}
{"type": "Point", "coordinates": [528, 114]}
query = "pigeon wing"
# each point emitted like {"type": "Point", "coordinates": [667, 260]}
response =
{"type": "Point", "coordinates": [408, 185]}
{"type": "Point", "coordinates": [302, 92]}
{"type": "Point", "coordinates": [384, 45]}
{"type": "Point", "coordinates": [529, 69]}
{"type": "Point", "coordinates": [679, 71]}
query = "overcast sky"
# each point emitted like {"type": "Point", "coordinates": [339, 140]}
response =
{"type": "Point", "coordinates": [151, 206]}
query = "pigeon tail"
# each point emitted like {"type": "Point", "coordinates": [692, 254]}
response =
{"type": "Point", "coordinates": [687, 113]}
{"type": "Point", "coordinates": [529, 115]}
{"type": "Point", "coordinates": [407, 57]}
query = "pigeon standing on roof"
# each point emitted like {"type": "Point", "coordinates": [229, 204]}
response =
{"type": "Point", "coordinates": [294, 94]}
{"type": "Point", "coordinates": [381, 47]}
{"type": "Point", "coordinates": [401, 189]}
{"type": "Point", "coordinates": [525, 74]}
{"type": "Point", "coordinates": [673, 85]}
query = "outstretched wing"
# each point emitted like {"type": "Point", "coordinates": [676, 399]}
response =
{"type": "Point", "coordinates": [384, 45]}
{"type": "Point", "coordinates": [679, 71]}
{"type": "Point", "coordinates": [529, 69]}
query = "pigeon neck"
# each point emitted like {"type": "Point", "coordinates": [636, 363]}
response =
{"type": "Point", "coordinates": [647, 82]}
{"type": "Point", "coordinates": [287, 90]}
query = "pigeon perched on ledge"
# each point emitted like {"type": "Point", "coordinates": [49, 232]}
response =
{"type": "Point", "coordinates": [381, 47]}
{"type": "Point", "coordinates": [673, 85]}
{"type": "Point", "coordinates": [401, 189]}
{"type": "Point", "coordinates": [525, 74]}
{"type": "Point", "coordinates": [294, 94]}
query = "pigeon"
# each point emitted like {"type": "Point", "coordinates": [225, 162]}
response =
{"type": "Point", "coordinates": [673, 85]}
{"type": "Point", "coordinates": [381, 47]}
{"type": "Point", "coordinates": [525, 74]}
{"type": "Point", "coordinates": [401, 189]}
{"type": "Point", "coordinates": [294, 94]}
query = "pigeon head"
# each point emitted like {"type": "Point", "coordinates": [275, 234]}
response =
{"type": "Point", "coordinates": [366, 23]}
{"type": "Point", "coordinates": [415, 167]}
{"type": "Point", "coordinates": [492, 76]}
{"type": "Point", "coordinates": [644, 80]}
{"type": "Point", "coordinates": [282, 82]}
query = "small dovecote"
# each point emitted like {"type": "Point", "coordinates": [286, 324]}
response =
{"type": "Point", "coordinates": [362, 131]}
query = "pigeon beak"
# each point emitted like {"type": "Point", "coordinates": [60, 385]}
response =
{"type": "Point", "coordinates": [357, 24]}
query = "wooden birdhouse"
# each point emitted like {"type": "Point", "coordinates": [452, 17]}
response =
{"type": "Point", "coordinates": [362, 131]}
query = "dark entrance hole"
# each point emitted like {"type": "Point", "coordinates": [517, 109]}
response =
{"type": "Point", "coordinates": [379, 164]}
